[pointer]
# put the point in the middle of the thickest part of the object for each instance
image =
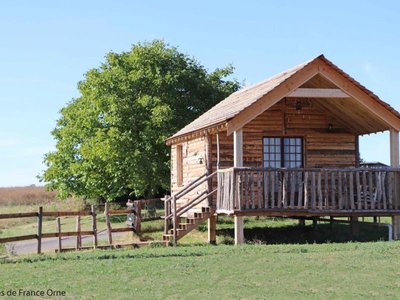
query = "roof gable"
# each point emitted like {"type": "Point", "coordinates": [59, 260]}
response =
{"type": "Point", "coordinates": [244, 105]}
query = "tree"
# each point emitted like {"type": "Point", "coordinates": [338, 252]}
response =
{"type": "Point", "coordinates": [110, 141]}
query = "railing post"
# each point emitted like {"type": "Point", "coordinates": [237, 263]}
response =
{"type": "Point", "coordinates": [39, 234]}
{"type": "Point", "coordinates": [174, 220]}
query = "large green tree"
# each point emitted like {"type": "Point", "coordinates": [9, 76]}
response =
{"type": "Point", "coordinates": [110, 141]}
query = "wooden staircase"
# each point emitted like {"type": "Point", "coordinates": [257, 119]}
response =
{"type": "Point", "coordinates": [180, 221]}
{"type": "Point", "coordinates": [187, 224]}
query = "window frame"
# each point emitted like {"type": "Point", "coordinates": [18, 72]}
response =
{"type": "Point", "coordinates": [179, 165]}
{"type": "Point", "coordinates": [282, 153]}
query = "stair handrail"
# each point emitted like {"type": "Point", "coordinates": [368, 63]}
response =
{"type": "Point", "coordinates": [174, 213]}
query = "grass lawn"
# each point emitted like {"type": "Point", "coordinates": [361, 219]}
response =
{"type": "Point", "coordinates": [346, 271]}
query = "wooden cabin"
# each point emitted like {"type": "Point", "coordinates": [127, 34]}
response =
{"type": "Point", "coordinates": [287, 146]}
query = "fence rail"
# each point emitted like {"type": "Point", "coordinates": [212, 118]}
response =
{"type": "Point", "coordinates": [136, 210]}
{"type": "Point", "coordinates": [363, 189]}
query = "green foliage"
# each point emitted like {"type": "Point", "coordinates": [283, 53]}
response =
{"type": "Point", "coordinates": [111, 140]}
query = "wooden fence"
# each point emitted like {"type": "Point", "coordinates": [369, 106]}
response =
{"type": "Point", "coordinates": [78, 233]}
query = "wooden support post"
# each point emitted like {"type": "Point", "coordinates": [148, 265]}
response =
{"type": "Point", "coordinates": [108, 222]}
{"type": "Point", "coordinates": [78, 235]}
{"type": "Point", "coordinates": [94, 226]}
{"type": "Point", "coordinates": [238, 148]}
{"type": "Point", "coordinates": [355, 227]}
{"type": "Point", "coordinates": [58, 225]}
{"type": "Point", "coordinates": [212, 229]}
{"type": "Point", "coordinates": [315, 223]}
{"type": "Point", "coordinates": [331, 221]}
{"type": "Point", "coordinates": [39, 234]}
{"type": "Point", "coordinates": [238, 162]}
{"type": "Point", "coordinates": [394, 162]}
{"type": "Point", "coordinates": [302, 222]}
{"type": "Point", "coordinates": [239, 230]}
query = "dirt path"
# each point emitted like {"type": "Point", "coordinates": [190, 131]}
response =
{"type": "Point", "coordinates": [51, 244]}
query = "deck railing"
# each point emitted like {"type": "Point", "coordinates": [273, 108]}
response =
{"type": "Point", "coordinates": [362, 189]}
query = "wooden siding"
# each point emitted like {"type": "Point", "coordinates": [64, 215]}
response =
{"type": "Point", "coordinates": [193, 165]}
{"type": "Point", "coordinates": [323, 147]}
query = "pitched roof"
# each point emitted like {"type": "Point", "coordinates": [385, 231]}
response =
{"type": "Point", "coordinates": [234, 104]}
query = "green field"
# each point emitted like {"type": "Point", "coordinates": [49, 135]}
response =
{"type": "Point", "coordinates": [349, 270]}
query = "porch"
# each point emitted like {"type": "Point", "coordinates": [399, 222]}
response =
{"type": "Point", "coordinates": [308, 191]}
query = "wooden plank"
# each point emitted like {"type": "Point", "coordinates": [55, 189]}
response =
{"type": "Point", "coordinates": [383, 189]}
{"type": "Point", "coordinates": [66, 213]}
{"type": "Point", "coordinates": [346, 203]}
{"type": "Point", "coordinates": [390, 189]}
{"type": "Point", "coordinates": [318, 93]}
{"type": "Point", "coordinates": [340, 190]}
{"type": "Point", "coordinates": [66, 234]}
{"type": "Point", "coordinates": [39, 229]}
{"type": "Point", "coordinates": [247, 190]}
{"type": "Point", "coordinates": [377, 196]}
{"type": "Point", "coordinates": [364, 183]}
{"type": "Point", "coordinates": [300, 191]}
{"type": "Point", "coordinates": [266, 188]}
{"type": "Point", "coordinates": [122, 229]}
{"type": "Point", "coordinates": [319, 184]}
{"type": "Point", "coordinates": [280, 188]}
{"type": "Point", "coordinates": [326, 191]}
{"type": "Point", "coordinates": [380, 189]}
{"type": "Point", "coordinates": [259, 189]}
{"type": "Point", "coordinates": [293, 183]}
{"type": "Point", "coordinates": [358, 187]}
{"type": "Point", "coordinates": [18, 215]}
{"type": "Point", "coordinates": [306, 196]}
{"type": "Point", "coordinates": [313, 191]}
{"type": "Point", "coordinates": [371, 190]}
{"type": "Point", "coordinates": [253, 200]}
{"type": "Point", "coordinates": [285, 194]}
{"type": "Point", "coordinates": [18, 238]}
{"type": "Point", "coordinates": [351, 178]}
{"type": "Point", "coordinates": [273, 176]}
{"type": "Point", "coordinates": [333, 192]}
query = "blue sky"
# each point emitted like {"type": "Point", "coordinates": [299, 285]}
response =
{"type": "Point", "coordinates": [47, 46]}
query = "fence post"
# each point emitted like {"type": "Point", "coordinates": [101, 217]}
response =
{"type": "Point", "coordinates": [108, 223]}
{"type": "Point", "coordinates": [59, 234]}
{"type": "Point", "coordinates": [39, 234]}
{"type": "Point", "coordinates": [138, 219]}
{"type": "Point", "coordinates": [78, 230]}
{"type": "Point", "coordinates": [166, 214]}
{"type": "Point", "coordinates": [94, 226]}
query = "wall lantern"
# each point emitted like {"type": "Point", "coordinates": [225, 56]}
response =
{"type": "Point", "coordinates": [299, 106]}
{"type": "Point", "coordinates": [330, 127]}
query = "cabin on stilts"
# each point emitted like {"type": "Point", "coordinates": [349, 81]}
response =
{"type": "Point", "coordinates": [287, 146]}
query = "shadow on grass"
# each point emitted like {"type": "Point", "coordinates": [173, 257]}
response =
{"type": "Point", "coordinates": [323, 233]}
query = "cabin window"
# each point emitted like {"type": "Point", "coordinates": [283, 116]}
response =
{"type": "Point", "coordinates": [179, 165]}
{"type": "Point", "coordinates": [286, 152]}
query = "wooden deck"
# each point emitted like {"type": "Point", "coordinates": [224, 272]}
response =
{"type": "Point", "coordinates": [308, 192]}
